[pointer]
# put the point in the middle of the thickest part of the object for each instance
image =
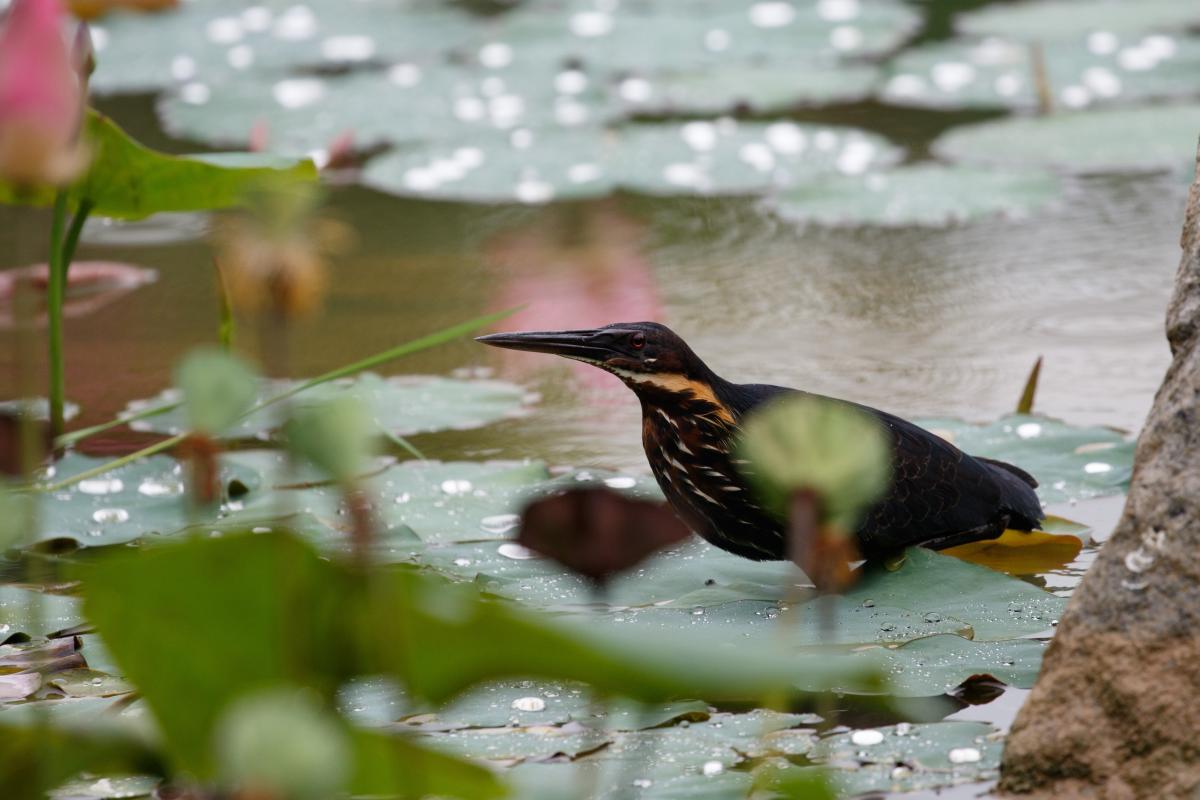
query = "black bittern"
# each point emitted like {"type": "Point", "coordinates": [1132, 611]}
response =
{"type": "Point", "coordinates": [939, 496]}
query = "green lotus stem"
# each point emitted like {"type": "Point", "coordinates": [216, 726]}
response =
{"type": "Point", "coordinates": [404, 443]}
{"type": "Point", "coordinates": [72, 240]}
{"type": "Point", "coordinates": [226, 325]}
{"type": "Point", "coordinates": [408, 348]}
{"type": "Point", "coordinates": [423, 343]}
{"type": "Point", "coordinates": [55, 293]}
{"type": "Point", "coordinates": [68, 439]}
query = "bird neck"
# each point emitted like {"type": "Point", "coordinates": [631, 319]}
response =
{"type": "Point", "coordinates": [701, 396]}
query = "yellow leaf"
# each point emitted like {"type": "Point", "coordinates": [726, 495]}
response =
{"type": "Point", "coordinates": [1021, 552]}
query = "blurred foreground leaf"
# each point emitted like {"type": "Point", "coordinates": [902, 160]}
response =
{"type": "Point", "coordinates": [334, 435]}
{"type": "Point", "coordinates": [242, 613]}
{"type": "Point", "coordinates": [800, 443]}
{"type": "Point", "coordinates": [218, 389]}
{"type": "Point", "coordinates": [34, 760]}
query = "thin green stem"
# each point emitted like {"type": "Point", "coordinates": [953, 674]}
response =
{"type": "Point", "coordinates": [423, 343]}
{"type": "Point", "coordinates": [404, 443]}
{"type": "Point", "coordinates": [226, 325]}
{"type": "Point", "coordinates": [68, 439]}
{"type": "Point", "coordinates": [165, 444]}
{"type": "Point", "coordinates": [72, 240]}
{"type": "Point", "coordinates": [55, 293]}
{"type": "Point", "coordinates": [408, 348]}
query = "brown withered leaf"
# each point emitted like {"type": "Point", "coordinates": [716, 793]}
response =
{"type": "Point", "coordinates": [596, 532]}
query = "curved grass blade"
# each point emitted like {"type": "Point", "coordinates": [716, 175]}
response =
{"type": "Point", "coordinates": [408, 348]}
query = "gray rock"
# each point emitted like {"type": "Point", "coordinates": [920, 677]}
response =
{"type": "Point", "coordinates": [1116, 709]}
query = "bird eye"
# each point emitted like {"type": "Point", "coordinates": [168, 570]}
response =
{"type": "Point", "coordinates": [637, 341]}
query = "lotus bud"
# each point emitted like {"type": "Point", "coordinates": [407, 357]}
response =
{"type": "Point", "coordinates": [41, 97]}
{"type": "Point", "coordinates": [271, 254]}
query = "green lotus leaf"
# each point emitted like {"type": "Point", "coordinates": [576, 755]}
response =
{"type": "Point", "coordinates": [128, 180]}
{"type": "Point", "coordinates": [698, 157]}
{"type": "Point", "coordinates": [1049, 19]}
{"type": "Point", "coordinates": [928, 195]}
{"type": "Point", "coordinates": [906, 758]}
{"type": "Point", "coordinates": [143, 499]}
{"type": "Point", "coordinates": [1100, 69]}
{"type": "Point", "coordinates": [1150, 139]}
{"type": "Point", "coordinates": [200, 46]}
{"type": "Point", "coordinates": [400, 405]}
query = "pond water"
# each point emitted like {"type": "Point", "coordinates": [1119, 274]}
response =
{"type": "Point", "coordinates": [921, 322]}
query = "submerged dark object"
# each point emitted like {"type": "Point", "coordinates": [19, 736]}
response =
{"type": "Point", "coordinates": [939, 496]}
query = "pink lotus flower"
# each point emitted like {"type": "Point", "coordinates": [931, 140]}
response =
{"type": "Point", "coordinates": [41, 97]}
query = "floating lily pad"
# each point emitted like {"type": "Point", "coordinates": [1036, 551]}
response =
{"type": "Point", "coordinates": [937, 664]}
{"type": "Point", "coordinates": [114, 788]}
{"type": "Point", "coordinates": [1070, 463]}
{"type": "Point", "coordinates": [39, 407]}
{"type": "Point", "coordinates": [1099, 69]}
{"type": "Point", "coordinates": [720, 739]}
{"type": "Point", "coordinates": [203, 46]}
{"type": "Point", "coordinates": [424, 502]}
{"type": "Point", "coordinates": [1049, 19]}
{"type": "Point", "coordinates": [404, 105]}
{"type": "Point", "coordinates": [401, 405]}
{"type": "Point", "coordinates": [757, 88]}
{"type": "Point", "coordinates": [924, 194]}
{"type": "Point", "coordinates": [537, 703]}
{"type": "Point", "coordinates": [1156, 138]}
{"type": "Point", "coordinates": [697, 157]}
{"type": "Point", "coordinates": [1021, 552]}
{"type": "Point", "coordinates": [655, 37]}
{"type": "Point", "coordinates": [905, 758]}
{"type": "Point", "coordinates": [145, 498]}
{"type": "Point", "coordinates": [85, 682]}
{"type": "Point", "coordinates": [17, 612]}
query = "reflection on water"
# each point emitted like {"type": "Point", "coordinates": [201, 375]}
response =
{"type": "Point", "coordinates": [916, 321]}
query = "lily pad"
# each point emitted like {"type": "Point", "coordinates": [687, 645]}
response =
{"type": "Point", "coordinates": [1151, 139]}
{"type": "Point", "coordinates": [140, 499]}
{"type": "Point", "coordinates": [722, 740]}
{"type": "Point", "coordinates": [1070, 463]}
{"type": "Point", "coordinates": [1021, 552]}
{"type": "Point", "coordinates": [924, 194]}
{"type": "Point", "coordinates": [937, 664]}
{"type": "Point", "coordinates": [55, 612]}
{"type": "Point", "coordinates": [771, 88]}
{"type": "Point", "coordinates": [39, 407]}
{"type": "Point", "coordinates": [1047, 19]}
{"type": "Point", "coordinates": [999, 73]}
{"type": "Point", "coordinates": [203, 45]}
{"type": "Point", "coordinates": [905, 758]}
{"type": "Point", "coordinates": [403, 405]}
{"type": "Point", "coordinates": [114, 788]}
{"type": "Point", "coordinates": [699, 157]}
{"type": "Point", "coordinates": [422, 502]}
{"type": "Point", "coordinates": [655, 37]}
{"type": "Point", "coordinates": [540, 703]}
{"type": "Point", "coordinates": [405, 105]}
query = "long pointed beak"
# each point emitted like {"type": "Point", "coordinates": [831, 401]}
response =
{"type": "Point", "coordinates": [583, 345]}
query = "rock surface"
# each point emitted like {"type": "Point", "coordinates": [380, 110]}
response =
{"type": "Point", "coordinates": [1116, 709]}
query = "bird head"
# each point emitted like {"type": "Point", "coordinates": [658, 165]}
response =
{"type": "Point", "coordinates": [640, 353]}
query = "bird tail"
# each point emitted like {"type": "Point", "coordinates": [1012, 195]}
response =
{"type": "Point", "coordinates": [1016, 494]}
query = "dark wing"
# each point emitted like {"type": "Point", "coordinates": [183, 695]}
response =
{"type": "Point", "coordinates": [940, 496]}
